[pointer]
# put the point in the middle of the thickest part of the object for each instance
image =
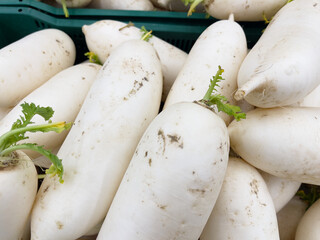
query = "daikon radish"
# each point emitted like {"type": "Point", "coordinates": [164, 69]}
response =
{"type": "Point", "coordinates": [243, 10]}
{"type": "Point", "coordinates": [119, 106]}
{"type": "Point", "coordinates": [244, 208]}
{"type": "Point", "coordinates": [104, 35]}
{"type": "Point", "coordinates": [308, 226]}
{"type": "Point", "coordinates": [280, 141]}
{"type": "Point", "coordinates": [279, 71]}
{"type": "Point", "coordinates": [141, 5]}
{"type": "Point", "coordinates": [222, 43]}
{"type": "Point", "coordinates": [175, 175]}
{"type": "Point", "coordinates": [31, 61]}
{"type": "Point", "coordinates": [281, 190]}
{"type": "Point", "coordinates": [289, 217]}
{"type": "Point", "coordinates": [65, 93]}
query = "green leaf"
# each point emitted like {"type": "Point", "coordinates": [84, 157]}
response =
{"type": "Point", "coordinates": [9, 140]}
{"type": "Point", "coordinates": [146, 35]}
{"type": "Point", "coordinates": [221, 102]}
{"type": "Point", "coordinates": [309, 194]}
{"type": "Point", "coordinates": [93, 58]}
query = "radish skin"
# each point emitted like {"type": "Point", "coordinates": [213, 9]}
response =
{"type": "Point", "coordinates": [31, 61]}
{"type": "Point", "coordinates": [244, 208]}
{"type": "Point", "coordinates": [270, 75]}
{"type": "Point", "coordinates": [120, 104]}
{"type": "Point", "coordinates": [280, 141]}
{"type": "Point", "coordinates": [4, 112]}
{"type": "Point", "coordinates": [222, 43]}
{"type": "Point", "coordinates": [104, 35]}
{"type": "Point", "coordinates": [173, 179]}
{"type": "Point", "coordinates": [289, 217]}
{"type": "Point", "coordinates": [17, 193]}
{"type": "Point", "coordinates": [243, 10]}
{"type": "Point", "coordinates": [308, 227]}
{"type": "Point", "coordinates": [311, 100]}
{"type": "Point", "coordinates": [65, 93]}
{"type": "Point", "coordinates": [140, 5]}
{"type": "Point", "coordinates": [75, 3]}
{"type": "Point", "coordinates": [281, 190]}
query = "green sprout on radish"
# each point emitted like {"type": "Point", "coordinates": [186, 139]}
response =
{"type": "Point", "coordinates": [211, 98]}
{"type": "Point", "coordinates": [146, 35]}
{"type": "Point", "coordinates": [93, 58]}
{"type": "Point", "coordinates": [8, 141]}
{"type": "Point", "coordinates": [193, 5]}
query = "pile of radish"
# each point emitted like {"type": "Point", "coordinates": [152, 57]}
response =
{"type": "Point", "coordinates": [146, 142]}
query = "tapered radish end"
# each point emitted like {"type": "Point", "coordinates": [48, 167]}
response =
{"type": "Point", "coordinates": [239, 95]}
{"type": "Point", "coordinates": [231, 17]}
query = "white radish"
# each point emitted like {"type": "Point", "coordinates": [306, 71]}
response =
{"type": "Point", "coordinates": [289, 217]}
{"type": "Point", "coordinates": [104, 35]}
{"type": "Point", "coordinates": [120, 104]}
{"type": "Point", "coordinates": [280, 141]}
{"type": "Point", "coordinates": [65, 93]}
{"type": "Point", "coordinates": [281, 190]}
{"type": "Point", "coordinates": [244, 208]}
{"type": "Point", "coordinates": [4, 112]}
{"type": "Point", "coordinates": [308, 226]}
{"type": "Point", "coordinates": [19, 181]}
{"type": "Point", "coordinates": [141, 5]}
{"type": "Point", "coordinates": [74, 3]}
{"type": "Point", "coordinates": [175, 5]}
{"type": "Point", "coordinates": [31, 61]}
{"type": "Point", "coordinates": [311, 100]}
{"type": "Point", "coordinates": [222, 43]}
{"type": "Point", "coordinates": [279, 71]}
{"type": "Point", "coordinates": [173, 179]}
{"type": "Point", "coordinates": [243, 10]}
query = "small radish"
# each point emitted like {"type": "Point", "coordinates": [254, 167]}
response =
{"type": "Point", "coordinates": [31, 61]}
{"type": "Point", "coordinates": [119, 106]}
{"type": "Point", "coordinates": [18, 174]}
{"type": "Point", "coordinates": [174, 176]}
{"type": "Point", "coordinates": [104, 35]}
{"type": "Point", "coordinates": [244, 208]}
{"type": "Point", "coordinates": [280, 141]}
{"type": "Point", "coordinates": [278, 71]}
{"type": "Point", "coordinates": [64, 92]}
{"type": "Point", "coordinates": [281, 190]}
{"type": "Point", "coordinates": [222, 43]}
{"type": "Point", "coordinates": [243, 10]}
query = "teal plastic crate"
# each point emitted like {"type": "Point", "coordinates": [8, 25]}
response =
{"type": "Point", "coordinates": [21, 17]}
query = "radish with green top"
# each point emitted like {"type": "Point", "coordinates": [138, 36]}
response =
{"type": "Point", "coordinates": [223, 42]}
{"type": "Point", "coordinates": [119, 106]}
{"type": "Point", "coordinates": [104, 35]}
{"type": "Point", "coordinates": [175, 174]}
{"type": "Point", "coordinates": [244, 208]}
{"type": "Point", "coordinates": [280, 141]}
{"type": "Point", "coordinates": [65, 92]}
{"type": "Point", "coordinates": [31, 61]}
{"type": "Point", "coordinates": [278, 71]}
{"type": "Point", "coordinates": [18, 174]}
